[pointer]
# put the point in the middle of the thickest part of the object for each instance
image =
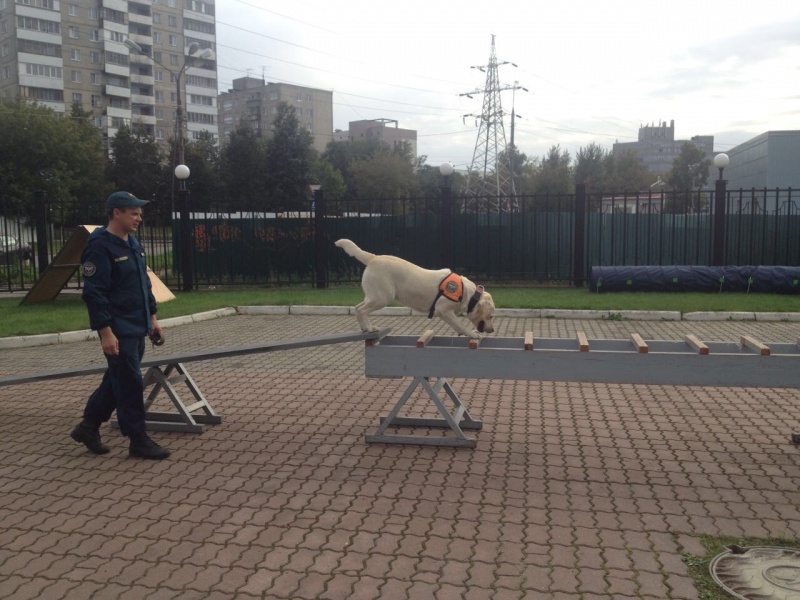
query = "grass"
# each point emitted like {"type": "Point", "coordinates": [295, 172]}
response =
{"type": "Point", "coordinates": [698, 566]}
{"type": "Point", "coordinates": [68, 313]}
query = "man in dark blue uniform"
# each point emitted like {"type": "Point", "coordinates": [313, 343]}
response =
{"type": "Point", "coordinates": [122, 309]}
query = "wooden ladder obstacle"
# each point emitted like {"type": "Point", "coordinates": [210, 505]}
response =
{"type": "Point", "coordinates": [431, 360]}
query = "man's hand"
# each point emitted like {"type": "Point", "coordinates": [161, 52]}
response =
{"type": "Point", "coordinates": [156, 334]}
{"type": "Point", "coordinates": [109, 341]}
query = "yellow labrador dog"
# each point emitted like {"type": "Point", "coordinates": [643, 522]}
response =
{"type": "Point", "coordinates": [442, 293]}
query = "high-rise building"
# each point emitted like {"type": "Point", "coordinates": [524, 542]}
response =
{"type": "Point", "coordinates": [255, 102]}
{"type": "Point", "coordinates": [376, 129]}
{"type": "Point", "coordinates": [62, 52]}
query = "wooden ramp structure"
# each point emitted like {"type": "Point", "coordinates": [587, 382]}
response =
{"type": "Point", "coordinates": [431, 360]}
{"type": "Point", "coordinates": [165, 373]}
{"type": "Point", "coordinates": [67, 261]}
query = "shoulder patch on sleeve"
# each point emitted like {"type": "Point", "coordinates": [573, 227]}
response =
{"type": "Point", "coordinates": [89, 269]}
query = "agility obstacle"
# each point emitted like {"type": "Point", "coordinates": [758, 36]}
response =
{"type": "Point", "coordinates": [431, 360]}
{"type": "Point", "coordinates": [164, 373]}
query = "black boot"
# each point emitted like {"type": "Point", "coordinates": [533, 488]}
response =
{"type": "Point", "coordinates": [88, 434]}
{"type": "Point", "coordinates": [143, 447]}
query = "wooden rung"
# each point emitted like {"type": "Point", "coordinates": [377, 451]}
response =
{"type": "Point", "coordinates": [426, 337]}
{"type": "Point", "coordinates": [528, 340]}
{"type": "Point", "coordinates": [583, 341]}
{"type": "Point", "coordinates": [474, 343]}
{"type": "Point", "coordinates": [695, 343]}
{"type": "Point", "coordinates": [755, 345]}
{"type": "Point", "coordinates": [640, 344]}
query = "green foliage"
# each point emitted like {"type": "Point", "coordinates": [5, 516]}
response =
{"type": "Point", "coordinates": [137, 164]}
{"type": "Point", "coordinates": [202, 156]}
{"type": "Point", "coordinates": [242, 170]}
{"type": "Point", "coordinates": [63, 156]}
{"type": "Point", "coordinates": [290, 157]}
{"type": "Point", "coordinates": [690, 169]}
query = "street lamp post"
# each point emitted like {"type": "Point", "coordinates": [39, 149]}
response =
{"type": "Point", "coordinates": [181, 170]}
{"type": "Point", "coordinates": [720, 205]}
{"type": "Point", "coordinates": [187, 275]}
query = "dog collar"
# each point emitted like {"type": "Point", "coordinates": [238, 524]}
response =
{"type": "Point", "coordinates": [476, 297]}
{"type": "Point", "coordinates": [452, 288]}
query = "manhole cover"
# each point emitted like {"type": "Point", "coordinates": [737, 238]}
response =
{"type": "Point", "coordinates": [759, 573]}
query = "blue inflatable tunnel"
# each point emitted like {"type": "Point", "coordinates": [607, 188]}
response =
{"type": "Point", "coordinates": [687, 278]}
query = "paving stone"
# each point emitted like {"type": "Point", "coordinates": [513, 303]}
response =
{"type": "Point", "coordinates": [572, 492]}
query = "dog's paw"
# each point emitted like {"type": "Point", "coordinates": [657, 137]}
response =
{"type": "Point", "coordinates": [477, 335]}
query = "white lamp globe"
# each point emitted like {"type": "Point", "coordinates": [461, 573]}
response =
{"type": "Point", "coordinates": [446, 169]}
{"type": "Point", "coordinates": [182, 172]}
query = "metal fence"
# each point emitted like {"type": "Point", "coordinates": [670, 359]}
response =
{"type": "Point", "coordinates": [543, 239]}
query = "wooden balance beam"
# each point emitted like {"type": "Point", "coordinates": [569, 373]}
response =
{"type": "Point", "coordinates": [430, 360]}
{"type": "Point", "coordinates": [167, 371]}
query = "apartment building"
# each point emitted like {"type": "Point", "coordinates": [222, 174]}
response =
{"type": "Point", "coordinates": [381, 130]}
{"type": "Point", "coordinates": [255, 102]}
{"type": "Point", "coordinates": [60, 52]}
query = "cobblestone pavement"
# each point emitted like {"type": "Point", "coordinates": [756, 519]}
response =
{"type": "Point", "coordinates": [575, 491]}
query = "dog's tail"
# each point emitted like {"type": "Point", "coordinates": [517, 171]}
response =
{"type": "Point", "coordinates": [354, 251]}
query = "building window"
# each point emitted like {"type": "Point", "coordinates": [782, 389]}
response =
{"type": "Point", "coordinates": [75, 54]}
{"type": "Point", "coordinates": [298, 96]}
{"type": "Point", "coordinates": [74, 33]}
{"type": "Point", "coordinates": [116, 36]}
{"type": "Point", "coordinates": [157, 56]}
{"type": "Point", "coordinates": [5, 72]}
{"type": "Point", "coordinates": [173, 59]}
{"type": "Point", "coordinates": [172, 20]}
{"type": "Point", "coordinates": [156, 18]}
{"type": "Point", "coordinates": [94, 56]}
{"type": "Point", "coordinates": [97, 101]}
{"type": "Point", "coordinates": [77, 97]}
{"type": "Point", "coordinates": [171, 3]}
{"type": "Point", "coordinates": [160, 114]}
{"type": "Point", "coordinates": [93, 14]}
{"type": "Point", "coordinates": [159, 96]}
{"type": "Point", "coordinates": [173, 40]}
{"type": "Point", "coordinates": [94, 35]}
{"type": "Point", "coordinates": [157, 37]}
{"type": "Point", "coordinates": [273, 95]}
{"type": "Point", "coordinates": [4, 51]}
{"type": "Point", "coordinates": [73, 10]}
{"type": "Point", "coordinates": [159, 75]}
{"type": "Point", "coordinates": [309, 98]}
{"type": "Point", "coordinates": [95, 79]}
{"type": "Point", "coordinates": [310, 113]}
{"type": "Point", "coordinates": [75, 77]}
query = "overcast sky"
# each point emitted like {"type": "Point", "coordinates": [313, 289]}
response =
{"type": "Point", "coordinates": [595, 70]}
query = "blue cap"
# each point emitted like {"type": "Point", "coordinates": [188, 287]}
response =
{"type": "Point", "coordinates": [123, 200]}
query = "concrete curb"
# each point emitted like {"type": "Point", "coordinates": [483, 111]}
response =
{"type": "Point", "coordinates": [401, 311]}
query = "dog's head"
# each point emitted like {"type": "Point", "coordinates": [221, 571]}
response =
{"type": "Point", "coordinates": [482, 316]}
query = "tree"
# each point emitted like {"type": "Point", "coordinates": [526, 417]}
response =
{"type": "Point", "coordinates": [39, 150]}
{"type": "Point", "coordinates": [689, 173]}
{"type": "Point", "coordinates": [555, 173]}
{"type": "Point", "coordinates": [290, 157]}
{"type": "Point", "coordinates": [385, 174]}
{"type": "Point", "coordinates": [629, 173]}
{"type": "Point", "coordinates": [202, 156]}
{"type": "Point", "coordinates": [137, 164]}
{"type": "Point", "coordinates": [242, 170]}
{"type": "Point", "coordinates": [591, 168]}
{"type": "Point", "coordinates": [690, 169]}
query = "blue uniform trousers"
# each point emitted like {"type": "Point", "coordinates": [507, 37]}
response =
{"type": "Point", "coordinates": [121, 389]}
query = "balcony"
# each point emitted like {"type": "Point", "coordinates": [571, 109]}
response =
{"type": "Point", "coordinates": [145, 79]}
{"type": "Point", "coordinates": [143, 99]}
{"type": "Point", "coordinates": [141, 19]}
{"type": "Point", "coordinates": [114, 90]}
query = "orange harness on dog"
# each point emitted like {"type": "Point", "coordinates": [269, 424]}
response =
{"type": "Point", "coordinates": [452, 288]}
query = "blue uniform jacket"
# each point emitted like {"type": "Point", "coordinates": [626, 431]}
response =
{"type": "Point", "coordinates": [116, 288]}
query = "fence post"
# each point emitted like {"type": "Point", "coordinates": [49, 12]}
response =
{"type": "Point", "coordinates": [40, 208]}
{"type": "Point", "coordinates": [579, 235]}
{"type": "Point", "coordinates": [320, 245]}
{"type": "Point", "coordinates": [720, 206]}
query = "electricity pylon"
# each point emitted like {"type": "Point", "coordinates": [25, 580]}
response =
{"type": "Point", "coordinates": [490, 181]}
